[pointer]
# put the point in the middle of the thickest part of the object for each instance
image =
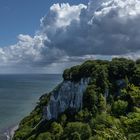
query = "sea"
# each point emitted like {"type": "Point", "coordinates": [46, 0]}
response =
{"type": "Point", "coordinates": [19, 94]}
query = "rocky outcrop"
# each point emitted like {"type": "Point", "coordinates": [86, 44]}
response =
{"type": "Point", "coordinates": [68, 95]}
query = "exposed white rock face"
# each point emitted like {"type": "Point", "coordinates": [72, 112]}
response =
{"type": "Point", "coordinates": [106, 93]}
{"type": "Point", "coordinates": [68, 95]}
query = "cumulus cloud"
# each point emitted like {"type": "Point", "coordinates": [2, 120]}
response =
{"type": "Point", "coordinates": [107, 28]}
{"type": "Point", "coordinates": [70, 34]}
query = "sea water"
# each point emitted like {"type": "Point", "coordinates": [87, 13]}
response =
{"type": "Point", "coordinates": [20, 93]}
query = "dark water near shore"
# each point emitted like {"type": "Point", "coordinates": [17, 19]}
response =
{"type": "Point", "coordinates": [19, 94]}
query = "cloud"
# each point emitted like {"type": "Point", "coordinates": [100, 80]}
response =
{"type": "Point", "coordinates": [110, 28]}
{"type": "Point", "coordinates": [71, 34]}
{"type": "Point", "coordinates": [26, 49]}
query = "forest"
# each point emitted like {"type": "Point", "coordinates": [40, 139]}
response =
{"type": "Point", "coordinates": [110, 111]}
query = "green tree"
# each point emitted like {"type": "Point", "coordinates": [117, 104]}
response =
{"type": "Point", "coordinates": [90, 99]}
{"type": "Point", "coordinates": [76, 136]}
{"type": "Point", "coordinates": [101, 103]}
{"type": "Point", "coordinates": [81, 128]}
{"type": "Point", "coordinates": [119, 108]}
{"type": "Point", "coordinates": [44, 136]}
{"type": "Point", "coordinates": [83, 115]}
{"type": "Point", "coordinates": [63, 119]}
{"type": "Point", "coordinates": [56, 130]}
{"type": "Point", "coordinates": [101, 77]}
{"type": "Point", "coordinates": [136, 76]}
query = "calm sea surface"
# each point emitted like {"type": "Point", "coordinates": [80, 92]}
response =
{"type": "Point", "coordinates": [19, 94]}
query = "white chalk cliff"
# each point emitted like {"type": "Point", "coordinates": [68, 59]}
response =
{"type": "Point", "coordinates": [68, 95]}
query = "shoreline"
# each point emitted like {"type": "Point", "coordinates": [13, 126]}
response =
{"type": "Point", "coordinates": [12, 131]}
{"type": "Point", "coordinates": [7, 134]}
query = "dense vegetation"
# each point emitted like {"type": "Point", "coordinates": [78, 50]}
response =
{"type": "Point", "coordinates": [111, 106]}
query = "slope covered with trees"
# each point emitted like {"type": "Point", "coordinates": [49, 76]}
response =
{"type": "Point", "coordinates": [111, 106]}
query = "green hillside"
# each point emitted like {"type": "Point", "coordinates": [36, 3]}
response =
{"type": "Point", "coordinates": [111, 105]}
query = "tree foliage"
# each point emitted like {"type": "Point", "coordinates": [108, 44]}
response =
{"type": "Point", "coordinates": [111, 105]}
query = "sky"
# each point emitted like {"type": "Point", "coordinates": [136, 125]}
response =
{"type": "Point", "coordinates": [23, 16]}
{"type": "Point", "coordinates": [46, 36]}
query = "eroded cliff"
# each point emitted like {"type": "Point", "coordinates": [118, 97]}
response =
{"type": "Point", "coordinates": [69, 94]}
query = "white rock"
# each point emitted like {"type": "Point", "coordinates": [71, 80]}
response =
{"type": "Point", "coordinates": [68, 95]}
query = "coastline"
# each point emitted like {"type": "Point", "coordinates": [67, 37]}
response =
{"type": "Point", "coordinates": [12, 131]}
{"type": "Point", "coordinates": [7, 134]}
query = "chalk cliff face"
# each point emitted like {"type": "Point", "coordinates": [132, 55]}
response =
{"type": "Point", "coordinates": [68, 95]}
